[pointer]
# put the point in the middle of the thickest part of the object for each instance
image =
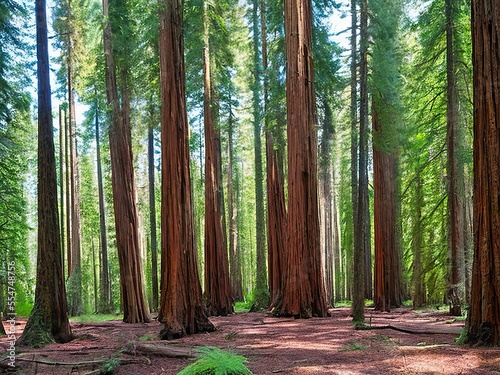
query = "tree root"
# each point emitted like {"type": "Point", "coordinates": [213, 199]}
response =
{"type": "Point", "coordinates": [123, 361]}
{"type": "Point", "coordinates": [405, 330]}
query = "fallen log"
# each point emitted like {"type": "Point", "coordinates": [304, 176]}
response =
{"type": "Point", "coordinates": [159, 348]}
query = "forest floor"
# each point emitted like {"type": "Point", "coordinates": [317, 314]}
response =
{"type": "Point", "coordinates": [276, 346]}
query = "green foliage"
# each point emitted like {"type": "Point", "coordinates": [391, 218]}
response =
{"type": "Point", "coordinates": [95, 318]}
{"type": "Point", "coordinates": [109, 367]}
{"type": "Point", "coordinates": [353, 345]}
{"type": "Point", "coordinates": [242, 306]}
{"type": "Point", "coordinates": [213, 361]}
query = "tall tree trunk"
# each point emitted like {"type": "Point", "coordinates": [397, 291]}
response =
{"type": "Point", "coordinates": [105, 301]}
{"type": "Point", "coordinates": [354, 137]}
{"type": "Point", "coordinates": [62, 153]}
{"type": "Point", "coordinates": [418, 282]}
{"type": "Point", "coordinates": [261, 292]}
{"type": "Point", "coordinates": [69, 203]}
{"type": "Point", "coordinates": [232, 204]}
{"type": "Point", "coordinates": [48, 320]}
{"type": "Point", "coordinates": [275, 180]}
{"type": "Point", "coordinates": [326, 198]}
{"type": "Point", "coordinates": [386, 121]}
{"type": "Point", "coordinates": [181, 307]}
{"type": "Point", "coordinates": [455, 170]}
{"type": "Point", "coordinates": [387, 291]}
{"type": "Point", "coordinates": [125, 207]}
{"type": "Point", "coordinates": [75, 271]}
{"type": "Point", "coordinates": [217, 285]}
{"type": "Point", "coordinates": [152, 217]}
{"type": "Point", "coordinates": [361, 226]}
{"type": "Point", "coordinates": [483, 325]}
{"type": "Point", "coordinates": [303, 288]}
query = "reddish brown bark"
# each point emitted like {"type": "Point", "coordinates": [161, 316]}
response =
{"type": "Point", "coordinates": [387, 280]}
{"type": "Point", "coordinates": [484, 311]}
{"type": "Point", "coordinates": [276, 219]}
{"type": "Point", "coordinates": [303, 289]}
{"type": "Point", "coordinates": [49, 318]}
{"type": "Point", "coordinates": [123, 184]}
{"type": "Point", "coordinates": [217, 285]}
{"type": "Point", "coordinates": [181, 308]}
{"type": "Point", "coordinates": [235, 275]}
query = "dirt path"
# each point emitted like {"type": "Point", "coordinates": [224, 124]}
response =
{"type": "Point", "coordinates": [282, 346]}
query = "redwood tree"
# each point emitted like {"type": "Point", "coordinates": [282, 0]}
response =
{"type": "Point", "coordinates": [483, 326]}
{"type": "Point", "coordinates": [181, 308]}
{"type": "Point", "coordinates": [217, 285]}
{"type": "Point", "coordinates": [386, 118]}
{"type": "Point", "coordinates": [303, 289]}
{"type": "Point", "coordinates": [48, 320]}
{"type": "Point", "coordinates": [122, 170]}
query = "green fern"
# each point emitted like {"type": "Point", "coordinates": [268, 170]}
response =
{"type": "Point", "coordinates": [213, 361]}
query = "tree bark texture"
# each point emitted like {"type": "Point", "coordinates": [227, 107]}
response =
{"type": "Point", "coordinates": [327, 200]}
{"type": "Point", "coordinates": [217, 285]}
{"type": "Point", "coordinates": [361, 224]}
{"type": "Point", "coordinates": [484, 311]}
{"type": "Point", "coordinates": [235, 275]}
{"type": "Point", "coordinates": [303, 289]}
{"type": "Point", "coordinates": [105, 301]}
{"type": "Point", "coordinates": [152, 217]}
{"type": "Point", "coordinates": [455, 172]}
{"type": "Point", "coordinates": [181, 306]}
{"type": "Point", "coordinates": [387, 281]}
{"type": "Point", "coordinates": [123, 184]}
{"type": "Point", "coordinates": [48, 320]}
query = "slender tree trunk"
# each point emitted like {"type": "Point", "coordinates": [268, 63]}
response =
{"type": "Point", "coordinates": [483, 324]}
{"type": "Point", "coordinates": [48, 320]}
{"type": "Point", "coordinates": [418, 282]}
{"type": "Point", "coordinates": [217, 285]}
{"type": "Point", "coordinates": [69, 203]}
{"type": "Point", "coordinates": [62, 153]}
{"type": "Point", "coordinates": [126, 218]}
{"type": "Point", "coordinates": [181, 307]}
{"type": "Point", "coordinates": [361, 227]}
{"type": "Point", "coordinates": [303, 288]}
{"type": "Point", "coordinates": [152, 218]}
{"type": "Point", "coordinates": [261, 291]}
{"type": "Point", "coordinates": [232, 192]}
{"type": "Point", "coordinates": [94, 269]}
{"type": "Point", "coordinates": [105, 302]}
{"type": "Point", "coordinates": [326, 198]}
{"type": "Point", "coordinates": [455, 171]}
{"type": "Point", "coordinates": [75, 272]}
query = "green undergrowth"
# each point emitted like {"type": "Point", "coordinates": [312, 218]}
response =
{"type": "Point", "coordinates": [240, 307]}
{"type": "Point", "coordinates": [214, 361]}
{"type": "Point", "coordinates": [95, 318]}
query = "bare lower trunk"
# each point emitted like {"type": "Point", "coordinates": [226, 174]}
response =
{"type": "Point", "coordinates": [181, 308]}
{"type": "Point", "coordinates": [483, 325]}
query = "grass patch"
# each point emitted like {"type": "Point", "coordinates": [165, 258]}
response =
{"type": "Point", "coordinates": [352, 345]}
{"type": "Point", "coordinates": [213, 361]}
{"type": "Point", "coordinates": [94, 318]}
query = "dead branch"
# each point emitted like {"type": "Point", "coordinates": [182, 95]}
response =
{"type": "Point", "coordinates": [159, 348]}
